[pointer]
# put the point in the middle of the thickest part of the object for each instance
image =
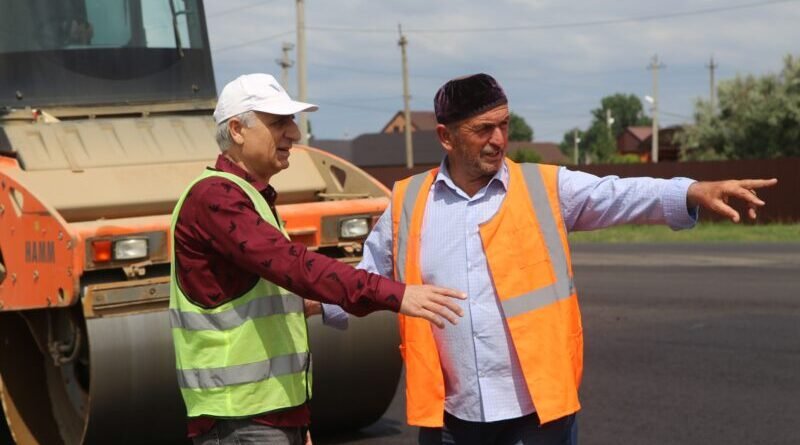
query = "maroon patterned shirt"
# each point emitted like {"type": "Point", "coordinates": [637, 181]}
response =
{"type": "Point", "coordinates": [223, 247]}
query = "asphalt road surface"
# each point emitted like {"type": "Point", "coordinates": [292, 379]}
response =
{"type": "Point", "coordinates": [685, 344]}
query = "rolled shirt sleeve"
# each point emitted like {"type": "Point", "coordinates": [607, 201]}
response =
{"type": "Point", "coordinates": [335, 317]}
{"type": "Point", "coordinates": [378, 247]}
{"type": "Point", "coordinates": [589, 202]}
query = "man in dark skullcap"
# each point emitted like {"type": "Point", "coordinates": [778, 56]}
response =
{"type": "Point", "coordinates": [509, 372]}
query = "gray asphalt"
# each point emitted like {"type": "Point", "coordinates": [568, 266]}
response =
{"type": "Point", "coordinates": [685, 344]}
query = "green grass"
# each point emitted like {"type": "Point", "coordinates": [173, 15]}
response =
{"type": "Point", "coordinates": [703, 233]}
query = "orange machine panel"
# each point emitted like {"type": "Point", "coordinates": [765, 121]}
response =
{"type": "Point", "coordinates": [37, 251]}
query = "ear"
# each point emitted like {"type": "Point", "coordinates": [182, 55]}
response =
{"type": "Point", "coordinates": [235, 128]}
{"type": "Point", "coordinates": [446, 137]}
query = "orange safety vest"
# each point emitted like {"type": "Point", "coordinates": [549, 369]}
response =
{"type": "Point", "coordinates": [529, 260]}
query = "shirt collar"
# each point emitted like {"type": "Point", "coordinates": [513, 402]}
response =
{"type": "Point", "coordinates": [443, 176]}
{"type": "Point", "coordinates": [225, 165]}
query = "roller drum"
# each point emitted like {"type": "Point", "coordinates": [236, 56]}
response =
{"type": "Point", "coordinates": [133, 395]}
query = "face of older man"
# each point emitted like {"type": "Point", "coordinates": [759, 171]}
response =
{"type": "Point", "coordinates": [265, 145]}
{"type": "Point", "coordinates": [476, 147]}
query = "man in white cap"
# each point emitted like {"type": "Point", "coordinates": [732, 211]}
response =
{"type": "Point", "coordinates": [236, 310]}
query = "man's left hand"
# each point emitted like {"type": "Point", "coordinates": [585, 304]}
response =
{"type": "Point", "coordinates": [715, 196]}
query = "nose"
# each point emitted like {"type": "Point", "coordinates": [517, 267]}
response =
{"type": "Point", "coordinates": [293, 131]}
{"type": "Point", "coordinates": [498, 137]}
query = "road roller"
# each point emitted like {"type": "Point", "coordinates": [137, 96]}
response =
{"type": "Point", "coordinates": [105, 117]}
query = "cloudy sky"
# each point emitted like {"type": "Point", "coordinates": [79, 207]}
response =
{"type": "Point", "coordinates": [556, 59]}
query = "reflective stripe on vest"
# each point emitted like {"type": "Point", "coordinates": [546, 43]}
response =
{"type": "Point", "coordinates": [237, 375]}
{"type": "Point", "coordinates": [563, 286]}
{"type": "Point", "coordinates": [405, 220]}
{"type": "Point", "coordinates": [234, 317]}
{"type": "Point", "coordinates": [248, 356]}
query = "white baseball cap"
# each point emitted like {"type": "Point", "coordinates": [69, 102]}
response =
{"type": "Point", "coordinates": [256, 92]}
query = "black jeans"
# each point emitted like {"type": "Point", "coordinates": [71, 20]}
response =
{"type": "Point", "coordinates": [521, 431]}
{"type": "Point", "coordinates": [247, 432]}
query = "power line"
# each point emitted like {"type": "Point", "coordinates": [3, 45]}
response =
{"type": "Point", "coordinates": [250, 42]}
{"type": "Point", "coordinates": [681, 116]}
{"type": "Point", "coordinates": [354, 107]}
{"type": "Point", "coordinates": [364, 99]}
{"type": "Point", "coordinates": [368, 71]}
{"type": "Point", "coordinates": [644, 18]}
{"type": "Point", "coordinates": [354, 70]}
{"type": "Point", "coordinates": [237, 9]}
{"type": "Point", "coordinates": [375, 99]}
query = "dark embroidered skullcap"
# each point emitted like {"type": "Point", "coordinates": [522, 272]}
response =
{"type": "Point", "coordinates": [467, 96]}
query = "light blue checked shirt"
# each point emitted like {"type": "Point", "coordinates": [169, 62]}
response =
{"type": "Point", "coordinates": [483, 378]}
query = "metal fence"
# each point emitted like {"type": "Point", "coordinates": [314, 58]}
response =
{"type": "Point", "coordinates": [783, 200]}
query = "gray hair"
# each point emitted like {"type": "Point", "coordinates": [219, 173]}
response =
{"type": "Point", "coordinates": [224, 140]}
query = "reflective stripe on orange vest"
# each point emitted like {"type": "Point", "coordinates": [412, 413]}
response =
{"type": "Point", "coordinates": [527, 252]}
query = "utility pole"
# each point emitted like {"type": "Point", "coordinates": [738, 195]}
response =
{"type": "Point", "coordinates": [575, 141]}
{"type": "Point", "coordinates": [285, 63]}
{"type": "Point", "coordinates": [406, 98]}
{"type": "Point", "coordinates": [712, 65]}
{"type": "Point", "coordinates": [654, 66]}
{"type": "Point", "coordinates": [301, 68]}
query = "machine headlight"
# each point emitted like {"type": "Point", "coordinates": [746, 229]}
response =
{"type": "Point", "coordinates": [354, 227]}
{"type": "Point", "coordinates": [130, 249]}
{"type": "Point", "coordinates": [105, 250]}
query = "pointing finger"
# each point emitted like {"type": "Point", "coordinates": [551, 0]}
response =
{"type": "Point", "coordinates": [757, 183]}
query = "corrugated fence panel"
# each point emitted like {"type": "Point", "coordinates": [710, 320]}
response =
{"type": "Point", "coordinates": [783, 200]}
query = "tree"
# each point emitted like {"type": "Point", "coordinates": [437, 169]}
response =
{"type": "Point", "coordinates": [626, 110]}
{"type": "Point", "coordinates": [567, 144]}
{"type": "Point", "coordinates": [525, 155]}
{"type": "Point", "coordinates": [518, 129]}
{"type": "Point", "coordinates": [600, 143]}
{"type": "Point", "coordinates": [757, 117]}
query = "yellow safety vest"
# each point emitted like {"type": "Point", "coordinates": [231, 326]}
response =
{"type": "Point", "coordinates": [248, 356]}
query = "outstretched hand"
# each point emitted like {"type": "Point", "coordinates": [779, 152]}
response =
{"type": "Point", "coordinates": [432, 303]}
{"type": "Point", "coordinates": [716, 195]}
